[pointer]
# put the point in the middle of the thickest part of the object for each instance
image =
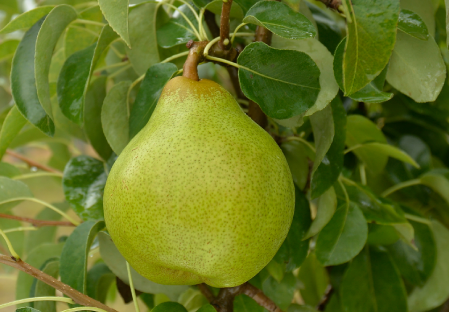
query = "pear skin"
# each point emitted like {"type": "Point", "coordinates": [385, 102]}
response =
{"type": "Point", "coordinates": [201, 194]}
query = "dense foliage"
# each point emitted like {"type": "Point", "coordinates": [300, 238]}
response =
{"type": "Point", "coordinates": [357, 99]}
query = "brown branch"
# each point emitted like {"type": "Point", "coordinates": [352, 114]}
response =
{"type": "Point", "coordinates": [332, 4]}
{"type": "Point", "coordinates": [36, 222]}
{"type": "Point", "coordinates": [193, 59]}
{"type": "Point", "coordinates": [224, 25]}
{"type": "Point", "coordinates": [77, 297]}
{"type": "Point", "coordinates": [205, 290]}
{"type": "Point", "coordinates": [260, 297]}
{"type": "Point", "coordinates": [32, 163]}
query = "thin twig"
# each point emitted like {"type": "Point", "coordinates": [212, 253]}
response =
{"type": "Point", "coordinates": [77, 297]}
{"type": "Point", "coordinates": [36, 222]}
{"type": "Point", "coordinates": [32, 163]}
{"type": "Point", "coordinates": [205, 290]}
{"type": "Point", "coordinates": [225, 43]}
{"type": "Point", "coordinates": [332, 4]}
{"type": "Point", "coordinates": [260, 297]}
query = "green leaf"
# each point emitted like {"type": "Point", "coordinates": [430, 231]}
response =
{"type": "Point", "coordinates": [117, 263]}
{"type": "Point", "coordinates": [83, 182]}
{"type": "Point", "coordinates": [246, 4]}
{"type": "Point", "coordinates": [75, 75]}
{"type": "Point", "coordinates": [114, 116]}
{"type": "Point", "coordinates": [169, 307]}
{"type": "Point", "coordinates": [437, 180]}
{"type": "Point", "coordinates": [192, 299]}
{"type": "Point", "coordinates": [343, 237]}
{"type": "Point", "coordinates": [314, 280]}
{"type": "Point", "coordinates": [382, 234]}
{"type": "Point", "coordinates": [148, 95]}
{"type": "Point", "coordinates": [329, 31]}
{"type": "Point", "coordinates": [12, 125]}
{"type": "Point", "coordinates": [43, 290]}
{"type": "Point", "coordinates": [280, 292]}
{"type": "Point", "coordinates": [388, 150]}
{"type": "Point", "coordinates": [23, 82]}
{"type": "Point", "coordinates": [412, 24]}
{"type": "Point", "coordinates": [326, 206]}
{"type": "Point", "coordinates": [27, 19]}
{"type": "Point", "coordinates": [360, 130]}
{"type": "Point", "coordinates": [276, 269]}
{"type": "Point", "coordinates": [94, 99]}
{"type": "Point", "coordinates": [73, 262]}
{"type": "Point", "coordinates": [54, 25]}
{"type": "Point", "coordinates": [243, 303]}
{"type": "Point", "coordinates": [116, 13]}
{"type": "Point", "coordinates": [417, 68]}
{"type": "Point", "coordinates": [177, 31]}
{"type": "Point", "coordinates": [434, 292]}
{"type": "Point", "coordinates": [372, 92]}
{"type": "Point", "coordinates": [8, 48]}
{"type": "Point", "coordinates": [208, 308]}
{"type": "Point", "coordinates": [8, 170]}
{"type": "Point", "coordinates": [280, 19]}
{"type": "Point", "coordinates": [371, 29]}
{"type": "Point", "coordinates": [12, 189]}
{"type": "Point", "coordinates": [297, 154]}
{"type": "Point", "coordinates": [416, 265]}
{"type": "Point", "coordinates": [372, 284]}
{"type": "Point", "coordinates": [36, 258]}
{"type": "Point", "coordinates": [142, 36]}
{"type": "Point", "coordinates": [27, 309]}
{"type": "Point", "coordinates": [99, 279]}
{"type": "Point", "coordinates": [323, 134]}
{"type": "Point", "coordinates": [293, 74]}
{"type": "Point", "coordinates": [78, 38]}
{"type": "Point", "coordinates": [330, 168]}
{"type": "Point", "coordinates": [425, 9]}
{"type": "Point", "coordinates": [216, 6]}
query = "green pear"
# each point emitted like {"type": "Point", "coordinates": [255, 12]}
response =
{"type": "Point", "coordinates": [202, 194]}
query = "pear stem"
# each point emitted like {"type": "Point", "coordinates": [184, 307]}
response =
{"type": "Point", "coordinates": [196, 56]}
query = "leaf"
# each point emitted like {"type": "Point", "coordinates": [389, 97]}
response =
{"type": "Point", "coordinates": [425, 9]}
{"type": "Point", "coordinates": [372, 92]}
{"type": "Point", "coordinates": [372, 284]}
{"type": "Point", "coordinates": [8, 170]}
{"type": "Point", "coordinates": [54, 25]}
{"type": "Point", "coordinates": [371, 31]}
{"type": "Point", "coordinates": [142, 36]}
{"type": "Point", "coordinates": [74, 77]}
{"type": "Point", "coordinates": [360, 130]}
{"type": "Point", "coordinates": [434, 292]}
{"type": "Point", "coordinates": [148, 95]}
{"type": "Point", "coordinates": [27, 19]}
{"type": "Point", "coordinates": [417, 68]}
{"type": "Point", "coordinates": [388, 150]}
{"type": "Point", "coordinates": [73, 262]}
{"type": "Point", "coordinates": [297, 156]}
{"type": "Point", "coordinates": [99, 279]}
{"type": "Point", "coordinates": [314, 280]}
{"type": "Point", "coordinates": [78, 38]}
{"type": "Point", "coordinates": [117, 263]}
{"type": "Point", "coordinates": [192, 299]}
{"type": "Point", "coordinates": [12, 125]}
{"type": "Point", "coordinates": [323, 134]}
{"type": "Point", "coordinates": [343, 237]}
{"type": "Point", "coordinates": [12, 189]}
{"type": "Point", "coordinates": [177, 30]}
{"type": "Point", "coordinates": [294, 249]}
{"type": "Point", "coordinates": [293, 74]}
{"type": "Point", "coordinates": [27, 309]}
{"type": "Point", "coordinates": [330, 168]}
{"type": "Point", "coordinates": [246, 4]}
{"type": "Point", "coordinates": [169, 307]}
{"type": "Point", "coordinates": [23, 82]}
{"type": "Point", "coordinates": [243, 303]}
{"type": "Point", "coordinates": [43, 290]}
{"type": "Point", "coordinates": [7, 49]}
{"type": "Point", "coordinates": [326, 206]}
{"type": "Point", "coordinates": [280, 292]}
{"type": "Point", "coordinates": [437, 180]}
{"type": "Point", "coordinates": [416, 265]}
{"type": "Point", "coordinates": [114, 116]}
{"type": "Point", "coordinates": [83, 183]}
{"type": "Point", "coordinates": [208, 308]}
{"type": "Point", "coordinates": [216, 6]}
{"type": "Point", "coordinates": [413, 25]}
{"type": "Point", "coordinates": [92, 117]}
{"type": "Point", "coordinates": [116, 13]}
{"type": "Point", "coordinates": [280, 19]}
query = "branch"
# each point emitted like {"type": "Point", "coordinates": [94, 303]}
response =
{"type": "Point", "coordinates": [224, 42]}
{"type": "Point", "coordinates": [77, 297]}
{"type": "Point", "coordinates": [205, 290]}
{"type": "Point", "coordinates": [36, 222]}
{"type": "Point", "coordinates": [333, 4]}
{"type": "Point", "coordinates": [259, 297]}
{"type": "Point", "coordinates": [32, 163]}
{"type": "Point", "coordinates": [195, 57]}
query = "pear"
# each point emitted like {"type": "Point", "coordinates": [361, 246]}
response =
{"type": "Point", "coordinates": [201, 194]}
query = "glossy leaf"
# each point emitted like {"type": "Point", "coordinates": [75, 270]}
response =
{"type": "Point", "coordinates": [73, 262]}
{"type": "Point", "coordinates": [323, 133]}
{"type": "Point", "coordinates": [425, 9]}
{"type": "Point", "coordinates": [329, 31]}
{"type": "Point", "coordinates": [369, 24]}
{"type": "Point", "coordinates": [388, 150]}
{"type": "Point", "coordinates": [314, 280]}
{"type": "Point", "coordinates": [148, 95]}
{"type": "Point", "coordinates": [434, 292]}
{"type": "Point", "coordinates": [177, 30]}
{"type": "Point", "coordinates": [12, 125]}
{"type": "Point", "coordinates": [412, 24]}
{"type": "Point", "coordinates": [280, 20]}
{"type": "Point", "coordinates": [372, 284]}
{"type": "Point", "coordinates": [293, 74]}
{"type": "Point", "coordinates": [280, 292]}
{"type": "Point", "coordinates": [27, 19]}
{"type": "Point", "coordinates": [114, 116]}
{"type": "Point", "coordinates": [92, 117]}
{"type": "Point", "coordinates": [417, 68]}
{"type": "Point", "coordinates": [117, 263]}
{"type": "Point", "coordinates": [331, 166]}
{"type": "Point", "coordinates": [169, 307]}
{"type": "Point", "coordinates": [12, 189]}
{"type": "Point", "coordinates": [83, 182]}
{"type": "Point", "coordinates": [98, 280]}
{"type": "Point", "coordinates": [54, 25]}
{"type": "Point", "coordinates": [326, 206]}
{"type": "Point", "coordinates": [23, 82]}
{"type": "Point", "coordinates": [343, 237]}
{"type": "Point", "coordinates": [7, 49]}
{"type": "Point", "coordinates": [116, 13]}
